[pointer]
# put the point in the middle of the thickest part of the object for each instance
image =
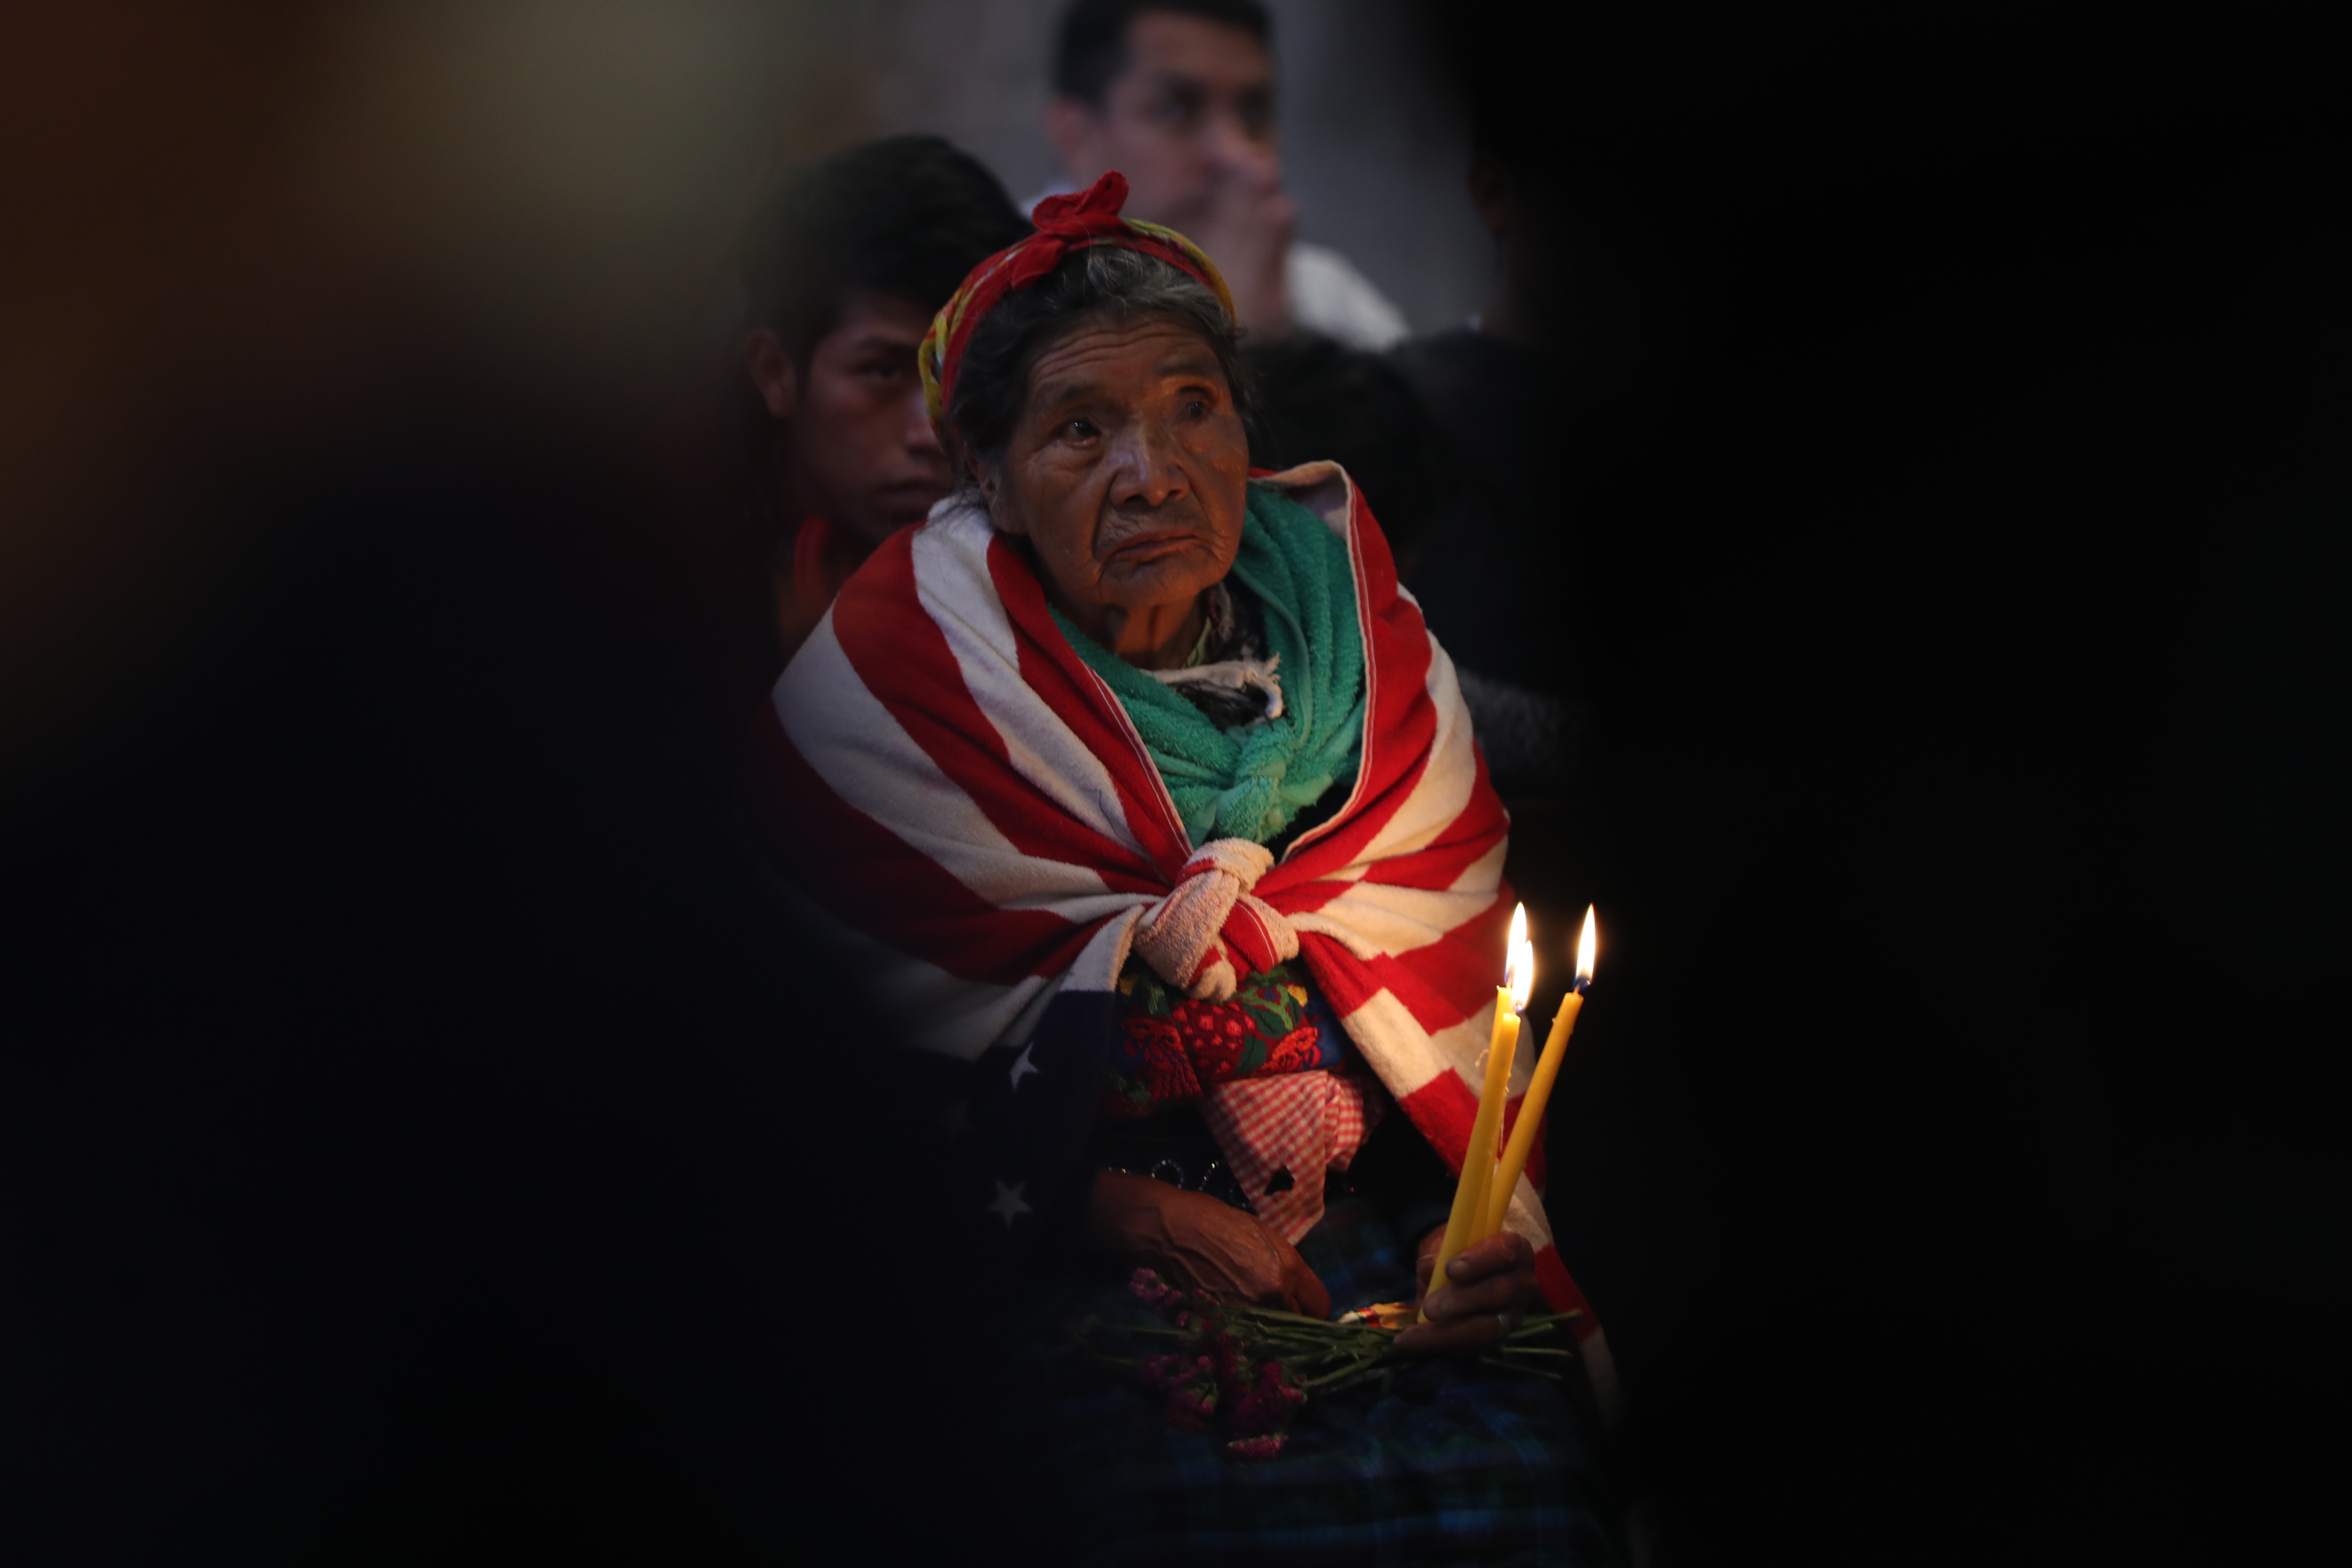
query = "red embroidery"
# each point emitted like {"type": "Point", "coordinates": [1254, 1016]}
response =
{"type": "Point", "coordinates": [1167, 1069]}
{"type": "Point", "coordinates": [1214, 1037]}
{"type": "Point", "coordinates": [1177, 1049]}
{"type": "Point", "coordinates": [1297, 1051]}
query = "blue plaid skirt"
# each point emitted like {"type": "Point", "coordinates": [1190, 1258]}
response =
{"type": "Point", "coordinates": [1452, 1462]}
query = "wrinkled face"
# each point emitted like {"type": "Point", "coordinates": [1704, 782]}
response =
{"type": "Point", "coordinates": [1128, 470]}
{"type": "Point", "coordinates": [1194, 105]}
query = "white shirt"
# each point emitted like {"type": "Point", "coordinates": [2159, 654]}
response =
{"type": "Point", "coordinates": [1328, 295]}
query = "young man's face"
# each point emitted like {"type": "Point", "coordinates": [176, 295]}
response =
{"type": "Point", "coordinates": [1194, 105]}
{"type": "Point", "coordinates": [861, 450]}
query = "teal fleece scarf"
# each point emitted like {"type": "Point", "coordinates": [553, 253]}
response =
{"type": "Point", "coordinates": [1252, 782]}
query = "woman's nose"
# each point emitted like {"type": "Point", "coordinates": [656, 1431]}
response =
{"type": "Point", "coordinates": [1152, 466]}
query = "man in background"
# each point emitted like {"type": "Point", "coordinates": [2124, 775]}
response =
{"type": "Point", "coordinates": [1179, 96]}
{"type": "Point", "coordinates": [845, 268]}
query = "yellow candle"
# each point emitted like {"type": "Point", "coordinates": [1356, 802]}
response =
{"type": "Point", "coordinates": [1531, 1106]}
{"type": "Point", "coordinates": [1531, 1110]}
{"type": "Point", "coordinates": [1478, 1158]}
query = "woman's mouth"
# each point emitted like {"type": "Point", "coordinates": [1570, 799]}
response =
{"type": "Point", "coordinates": [1151, 546]}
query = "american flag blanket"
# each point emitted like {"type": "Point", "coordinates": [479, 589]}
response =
{"type": "Point", "coordinates": [972, 808]}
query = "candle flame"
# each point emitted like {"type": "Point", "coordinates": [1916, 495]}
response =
{"type": "Point", "coordinates": [1585, 946]}
{"type": "Point", "coordinates": [1523, 962]}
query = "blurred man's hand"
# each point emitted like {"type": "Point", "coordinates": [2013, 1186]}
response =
{"type": "Point", "coordinates": [1246, 230]}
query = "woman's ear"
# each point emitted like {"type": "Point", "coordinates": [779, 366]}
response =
{"type": "Point", "coordinates": [991, 493]}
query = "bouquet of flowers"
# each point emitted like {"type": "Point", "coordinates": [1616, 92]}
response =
{"type": "Point", "coordinates": [1248, 1371]}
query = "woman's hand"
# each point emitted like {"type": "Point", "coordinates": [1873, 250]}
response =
{"type": "Point", "coordinates": [1203, 1244]}
{"type": "Point", "coordinates": [1487, 1289]}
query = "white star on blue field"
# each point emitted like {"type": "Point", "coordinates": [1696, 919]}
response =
{"type": "Point", "coordinates": [1009, 1202]}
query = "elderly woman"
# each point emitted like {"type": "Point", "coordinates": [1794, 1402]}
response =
{"type": "Point", "coordinates": [1156, 809]}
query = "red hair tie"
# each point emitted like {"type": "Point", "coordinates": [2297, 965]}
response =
{"type": "Point", "coordinates": [1065, 224]}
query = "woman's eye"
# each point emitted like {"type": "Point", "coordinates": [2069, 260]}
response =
{"type": "Point", "coordinates": [1080, 430]}
{"type": "Point", "coordinates": [1198, 407]}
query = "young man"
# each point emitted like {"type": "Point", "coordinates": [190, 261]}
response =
{"type": "Point", "coordinates": [845, 268]}
{"type": "Point", "coordinates": [1177, 95]}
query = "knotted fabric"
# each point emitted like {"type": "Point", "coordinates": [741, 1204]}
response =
{"type": "Point", "coordinates": [1212, 929]}
{"type": "Point", "coordinates": [1065, 224]}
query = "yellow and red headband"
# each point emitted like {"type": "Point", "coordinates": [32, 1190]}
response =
{"type": "Point", "coordinates": [1065, 224]}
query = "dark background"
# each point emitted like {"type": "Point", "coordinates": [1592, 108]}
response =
{"type": "Point", "coordinates": [1948, 442]}
{"type": "Point", "coordinates": [424, 1133]}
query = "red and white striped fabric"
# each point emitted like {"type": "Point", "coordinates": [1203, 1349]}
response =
{"type": "Point", "coordinates": [973, 802]}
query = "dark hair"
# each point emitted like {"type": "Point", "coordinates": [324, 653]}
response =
{"type": "Point", "coordinates": [907, 217]}
{"type": "Point", "coordinates": [1100, 283]}
{"type": "Point", "coordinates": [1090, 50]}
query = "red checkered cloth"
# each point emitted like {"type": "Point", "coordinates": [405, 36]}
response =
{"type": "Point", "coordinates": [1302, 1122]}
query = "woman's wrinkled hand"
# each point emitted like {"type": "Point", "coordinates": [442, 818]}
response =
{"type": "Point", "coordinates": [1197, 1242]}
{"type": "Point", "coordinates": [1488, 1287]}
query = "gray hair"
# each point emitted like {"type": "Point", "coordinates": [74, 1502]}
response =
{"type": "Point", "coordinates": [1102, 283]}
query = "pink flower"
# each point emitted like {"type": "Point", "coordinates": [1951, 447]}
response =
{"type": "Point", "coordinates": [1148, 1288]}
{"type": "Point", "coordinates": [1190, 1406]}
{"type": "Point", "coordinates": [1269, 1403]}
{"type": "Point", "coordinates": [1231, 1378]}
{"type": "Point", "coordinates": [1253, 1449]}
{"type": "Point", "coordinates": [1267, 1406]}
{"type": "Point", "coordinates": [1163, 1372]}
